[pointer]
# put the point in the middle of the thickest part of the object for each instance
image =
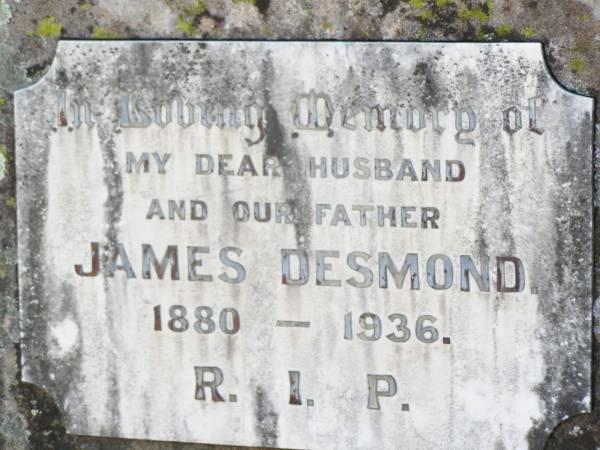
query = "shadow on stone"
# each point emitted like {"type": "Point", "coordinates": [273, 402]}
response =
{"type": "Point", "coordinates": [47, 430]}
{"type": "Point", "coordinates": [44, 418]}
{"type": "Point", "coordinates": [576, 433]}
{"type": "Point", "coordinates": [96, 443]}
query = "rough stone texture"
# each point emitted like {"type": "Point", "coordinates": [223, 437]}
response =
{"type": "Point", "coordinates": [29, 30]}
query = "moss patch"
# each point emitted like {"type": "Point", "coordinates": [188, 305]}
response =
{"type": "Point", "coordinates": [503, 30]}
{"type": "Point", "coordinates": [187, 23]}
{"type": "Point", "coordinates": [49, 27]}
{"type": "Point", "coordinates": [463, 20]}
{"type": "Point", "coordinates": [4, 160]}
{"type": "Point", "coordinates": [187, 27]}
{"type": "Point", "coordinates": [3, 269]}
{"type": "Point", "coordinates": [467, 20]}
{"type": "Point", "coordinates": [577, 65]}
{"type": "Point", "coordinates": [191, 17]}
{"type": "Point", "coordinates": [197, 9]}
{"type": "Point", "coordinates": [480, 35]}
{"type": "Point", "coordinates": [102, 33]}
{"type": "Point", "coordinates": [427, 15]}
{"type": "Point", "coordinates": [528, 32]}
{"type": "Point", "coordinates": [44, 418]}
{"type": "Point", "coordinates": [477, 15]}
{"type": "Point", "coordinates": [265, 30]}
{"type": "Point", "coordinates": [419, 4]}
{"type": "Point", "coordinates": [481, 13]}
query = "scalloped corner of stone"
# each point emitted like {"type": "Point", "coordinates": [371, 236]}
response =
{"type": "Point", "coordinates": [569, 30]}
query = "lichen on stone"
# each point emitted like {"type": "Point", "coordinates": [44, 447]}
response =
{"type": "Point", "coordinates": [577, 65]}
{"type": "Point", "coordinates": [4, 161]}
{"type": "Point", "coordinates": [480, 35]}
{"type": "Point", "coordinates": [196, 9]}
{"type": "Point", "coordinates": [49, 27]}
{"type": "Point", "coordinates": [427, 15]}
{"type": "Point", "coordinates": [102, 33]}
{"type": "Point", "coordinates": [196, 19]}
{"type": "Point", "coordinates": [3, 268]}
{"type": "Point", "coordinates": [186, 26]}
{"type": "Point", "coordinates": [503, 30]}
{"type": "Point", "coordinates": [528, 32]}
{"type": "Point", "coordinates": [480, 13]}
{"type": "Point", "coordinates": [419, 4]}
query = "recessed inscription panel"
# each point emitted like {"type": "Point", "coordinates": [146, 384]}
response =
{"type": "Point", "coordinates": [306, 245]}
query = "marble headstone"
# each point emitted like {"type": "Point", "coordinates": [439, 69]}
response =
{"type": "Point", "coordinates": [306, 244]}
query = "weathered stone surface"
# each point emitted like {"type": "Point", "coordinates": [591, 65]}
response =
{"type": "Point", "coordinates": [505, 367]}
{"type": "Point", "coordinates": [568, 29]}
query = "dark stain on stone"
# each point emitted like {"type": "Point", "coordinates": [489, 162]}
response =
{"type": "Point", "coordinates": [389, 5]}
{"type": "Point", "coordinates": [297, 189]}
{"type": "Point", "coordinates": [113, 207]}
{"type": "Point", "coordinates": [63, 386]}
{"type": "Point", "coordinates": [444, 18]}
{"type": "Point", "coordinates": [549, 53]}
{"type": "Point", "coordinates": [113, 182]}
{"type": "Point", "coordinates": [431, 91]}
{"type": "Point", "coordinates": [33, 199]}
{"type": "Point", "coordinates": [481, 240]}
{"type": "Point", "coordinates": [296, 185]}
{"type": "Point", "coordinates": [266, 419]}
{"type": "Point", "coordinates": [44, 418]}
{"type": "Point", "coordinates": [61, 78]}
{"type": "Point", "coordinates": [565, 370]}
{"type": "Point", "coordinates": [486, 7]}
{"type": "Point", "coordinates": [37, 70]}
{"type": "Point", "coordinates": [576, 433]}
{"type": "Point", "coordinates": [263, 5]}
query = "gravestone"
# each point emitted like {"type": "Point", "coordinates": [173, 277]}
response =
{"type": "Point", "coordinates": [306, 245]}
